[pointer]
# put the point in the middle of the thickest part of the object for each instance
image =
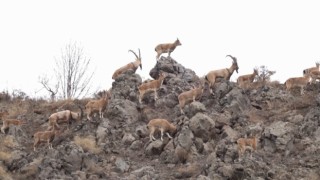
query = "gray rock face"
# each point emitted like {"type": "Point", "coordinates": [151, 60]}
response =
{"type": "Point", "coordinates": [202, 126]}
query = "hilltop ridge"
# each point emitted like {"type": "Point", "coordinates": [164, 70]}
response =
{"type": "Point", "coordinates": [204, 147]}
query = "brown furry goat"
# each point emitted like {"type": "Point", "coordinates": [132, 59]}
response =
{"type": "Point", "coordinates": [133, 66]}
{"type": "Point", "coordinates": [246, 79]}
{"type": "Point", "coordinates": [97, 106]}
{"type": "Point", "coordinates": [163, 125]}
{"type": "Point", "coordinates": [45, 137]}
{"type": "Point", "coordinates": [246, 143]}
{"type": "Point", "coordinates": [153, 85]}
{"type": "Point", "coordinates": [188, 96]}
{"type": "Point", "coordinates": [166, 48]}
{"type": "Point", "coordinates": [221, 73]}
{"type": "Point", "coordinates": [8, 122]}
{"type": "Point", "coordinates": [64, 116]}
{"type": "Point", "coordinates": [298, 82]}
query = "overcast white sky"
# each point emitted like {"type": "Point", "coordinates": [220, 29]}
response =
{"type": "Point", "coordinates": [283, 35]}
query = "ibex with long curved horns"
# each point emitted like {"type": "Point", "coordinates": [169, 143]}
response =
{"type": "Point", "coordinates": [133, 66]}
{"type": "Point", "coordinates": [222, 73]}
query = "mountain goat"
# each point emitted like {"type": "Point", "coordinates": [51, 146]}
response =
{"type": "Point", "coordinates": [221, 73]}
{"type": "Point", "coordinates": [163, 125]}
{"type": "Point", "coordinates": [166, 48]}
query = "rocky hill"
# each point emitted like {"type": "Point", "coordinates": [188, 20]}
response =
{"type": "Point", "coordinates": [204, 147]}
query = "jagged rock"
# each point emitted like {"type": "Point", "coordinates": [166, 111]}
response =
{"type": "Point", "coordinates": [167, 156]}
{"type": "Point", "coordinates": [128, 138]}
{"type": "Point", "coordinates": [102, 131]}
{"type": "Point", "coordinates": [155, 148]}
{"type": "Point", "coordinates": [142, 131]}
{"type": "Point", "coordinates": [230, 134]}
{"type": "Point", "coordinates": [191, 170]}
{"type": "Point", "coordinates": [175, 69]}
{"type": "Point", "coordinates": [226, 171]}
{"type": "Point", "coordinates": [193, 108]}
{"type": "Point", "coordinates": [202, 177]}
{"type": "Point", "coordinates": [237, 102]}
{"type": "Point", "coordinates": [185, 138]}
{"type": "Point", "coordinates": [136, 145]}
{"type": "Point", "coordinates": [202, 126]}
{"type": "Point", "coordinates": [184, 142]}
{"type": "Point", "coordinates": [125, 86]}
{"type": "Point", "coordinates": [121, 165]}
{"type": "Point", "coordinates": [124, 111]}
{"type": "Point", "coordinates": [143, 171]}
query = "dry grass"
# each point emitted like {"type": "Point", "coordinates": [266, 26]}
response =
{"type": "Point", "coordinates": [8, 142]}
{"type": "Point", "coordinates": [4, 156]}
{"type": "Point", "coordinates": [4, 175]}
{"type": "Point", "coordinates": [87, 144]}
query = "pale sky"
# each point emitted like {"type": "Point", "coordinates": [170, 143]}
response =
{"type": "Point", "coordinates": [282, 35]}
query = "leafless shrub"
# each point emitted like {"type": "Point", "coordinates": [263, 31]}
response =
{"type": "Point", "coordinates": [264, 74]}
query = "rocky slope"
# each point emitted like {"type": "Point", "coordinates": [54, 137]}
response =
{"type": "Point", "coordinates": [204, 147]}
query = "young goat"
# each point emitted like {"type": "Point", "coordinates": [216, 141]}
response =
{"type": "Point", "coordinates": [153, 85]}
{"type": "Point", "coordinates": [309, 70]}
{"type": "Point", "coordinates": [221, 73]}
{"type": "Point", "coordinates": [45, 137]}
{"type": "Point", "coordinates": [97, 106]}
{"type": "Point", "coordinates": [191, 95]}
{"type": "Point", "coordinates": [64, 116]}
{"type": "Point", "coordinates": [163, 125]}
{"type": "Point", "coordinates": [298, 82]}
{"type": "Point", "coordinates": [8, 122]}
{"type": "Point", "coordinates": [133, 66]}
{"type": "Point", "coordinates": [246, 143]}
{"type": "Point", "coordinates": [246, 79]}
{"type": "Point", "coordinates": [166, 48]}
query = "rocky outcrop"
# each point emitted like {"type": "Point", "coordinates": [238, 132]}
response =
{"type": "Point", "coordinates": [204, 146]}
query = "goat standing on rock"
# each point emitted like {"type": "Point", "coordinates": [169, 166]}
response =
{"type": "Point", "coordinates": [298, 82]}
{"type": "Point", "coordinates": [45, 137]}
{"type": "Point", "coordinates": [153, 85]}
{"type": "Point", "coordinates": [163, 125]}
{"type": "Point", "coordinates": [133, 66]}
{"type": "Point", "coordinates": [64, 116]}
{"type": "Point", "coordinates": [8, 122]}
{"type": "Point", "coordinates": [246, 79]}
{"type": "Point", "coordinates": [97, 106]}
{"type": "Point", "coordinates": [166, 48]}
{"type": "Point", "coordinates": [191, 95]}
{"type": "Point", "coordinates": [221, 73]}
{"type": "Point", "coordinates": [246, 143]}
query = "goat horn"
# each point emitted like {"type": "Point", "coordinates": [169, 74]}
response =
{"type": "Point", "coordinates": [139, 54]}
{"type": "Point", "coordinates": [233, 58]}
{"type": "Point", "coordinates": [134, 53]}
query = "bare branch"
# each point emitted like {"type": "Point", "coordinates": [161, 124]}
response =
{"type": "Point", "coordinates": [72, 72]}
